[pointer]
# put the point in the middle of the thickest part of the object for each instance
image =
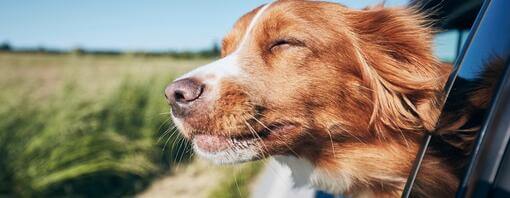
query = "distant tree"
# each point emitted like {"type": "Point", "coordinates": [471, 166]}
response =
{"type": "Point", "coordinates": [78, 51]}
{"type": "Point", "coordinates": [216, 50]}
{"type": "Point", "coordinates": [40, 49]}
{"type": "Point", "coordinates": [212, 52]}
{"type": "Point", "coordinates": [5, 46]}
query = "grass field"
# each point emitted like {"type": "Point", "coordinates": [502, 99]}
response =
{"type": "Point", "coordinates": [83, 125]}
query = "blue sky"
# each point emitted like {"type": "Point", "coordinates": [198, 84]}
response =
{"type": "Point", "coordinates": [126, 24]}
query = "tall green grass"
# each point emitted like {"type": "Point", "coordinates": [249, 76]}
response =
{"type": "Point", "coordinates": [81, 145]}
{"type": "Point", "coordinates": [88, 126]}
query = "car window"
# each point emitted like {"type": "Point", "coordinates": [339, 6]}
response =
{"type": "Point", "coordinates": [487, 43]}
{"type": "Point", "coordinates": [447, 44]}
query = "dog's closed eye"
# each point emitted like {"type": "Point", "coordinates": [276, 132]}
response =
{"type": "Point", "coordinates": [284, 43]}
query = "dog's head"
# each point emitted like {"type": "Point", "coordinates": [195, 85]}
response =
{"type": "Point", "coordinates": [296, 77]}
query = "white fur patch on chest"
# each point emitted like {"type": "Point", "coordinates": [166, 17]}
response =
{"type": "Point", "coordinates": [304, 174]}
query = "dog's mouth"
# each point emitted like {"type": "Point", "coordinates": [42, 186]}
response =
{"type": "Point", "coordinates": [250, 146]}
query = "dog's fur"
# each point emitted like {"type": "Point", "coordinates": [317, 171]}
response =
{"type": "Point", "coordinates": [347, 94]}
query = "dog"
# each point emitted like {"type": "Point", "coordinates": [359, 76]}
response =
{"type": "Point", "coordinates": [341, 96]}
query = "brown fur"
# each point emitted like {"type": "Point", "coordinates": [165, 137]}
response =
{"type": "Point", "coordinates": [359, 88]}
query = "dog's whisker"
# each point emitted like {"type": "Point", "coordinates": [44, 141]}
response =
{"type": "Point", "coordinates": [263, 125]}
{"type": "Point", "coordinates": [168, 120]}
{"type": "Point", "coordinates": [165, 113]}
{"type": "Point", "coordinates": [332, 145]}
{"type": "Point", "coordinates": [264, 149]}
{"type": "Point", "coordinates": [172, 132]}
{"type": "Point", "coordinates": [167, 140]}
{"type": "Point", "coordinates": [254, 133]}
{"type": "Point", "coordinates": [167, 132]}
{"type": "Point", "coordinates": [351, 134]}
{"type": "Point", "coordinates": [181, 150]}
{"type": "Point", "coordinates": [174, 141]}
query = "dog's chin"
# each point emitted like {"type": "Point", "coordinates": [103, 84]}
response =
{"type": "Point", "coordinates": [221, 149]}
{"type": "Point", "coordinates": [226, 150]}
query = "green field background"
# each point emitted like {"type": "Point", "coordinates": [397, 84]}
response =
{"type": "Point", "coordinates": [92, 125]}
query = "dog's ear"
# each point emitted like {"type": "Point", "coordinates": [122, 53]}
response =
{"type": "Point", "coordinates": [394, 49]}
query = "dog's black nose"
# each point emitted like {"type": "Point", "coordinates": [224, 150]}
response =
{"type": "Point", "coordinates": [184, 91]}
